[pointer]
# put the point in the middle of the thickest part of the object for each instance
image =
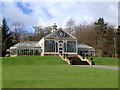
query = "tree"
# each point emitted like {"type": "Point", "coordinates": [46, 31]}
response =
{"type": "Point", "coordinates": [18, 31]}
{"type": "Point", "coordinates": [101, 27]}
{"type": "Point", "coordinates": [86, 34]}
{"type": "Point", "coordinates": [6, 37]}
{"type": "Point", "coordinates": [70, 26]}
{"type": "Point", "coordinates": [40, 32]}
{"type": "Point", "coordinates": [99, 35]}
{"type": "Point", "coordinates": [78, 29]}
{"type": "Point", "coordinates": [118, 41]}
{"type": "Point", "coordinates": [101, 30]}
{"type": "Point", "coordinates": [110, 45]}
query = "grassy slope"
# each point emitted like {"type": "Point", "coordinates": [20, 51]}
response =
{"type": "Point", "coordinates": [31, 60]}
{"type": "Point", "coordinates": [105, 61]}
{"type": "Point", "coordinates": [52, 72]}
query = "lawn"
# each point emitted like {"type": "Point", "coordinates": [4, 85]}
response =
{"type": "Point", "coordinates": [106, 61]}
{"type": "Point", "coordinates": [52, 72]}
{"type": "Point", "coordinates": [0, 73]}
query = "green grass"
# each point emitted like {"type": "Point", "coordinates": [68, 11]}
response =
{"type": "Point", "coordinates": [106, 61]}
{"type": "Point", "coordinates": [33, 60]}
{"type": "Point", "coordinates": [0, 73]}
{"type": "Point", "coordinates": [52, 72]}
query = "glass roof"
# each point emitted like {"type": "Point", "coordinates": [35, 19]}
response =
{"type": "Point", "coordinates": [27, 44]}
{"type": "Point", "coordinates": [80, 45]}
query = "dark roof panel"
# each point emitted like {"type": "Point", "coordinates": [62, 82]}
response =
{"type": "Point", "coordinates": [60, 34]}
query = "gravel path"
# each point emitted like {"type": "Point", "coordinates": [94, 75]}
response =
{"type": "Point", "coordinates": [101, 67]}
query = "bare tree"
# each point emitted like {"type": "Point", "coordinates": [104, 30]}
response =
{"type": "Point", "coordinates": [18, 31]}
{"type": "Point", "coordinates": [40, 32]}
{"type": "Point", "coordinates": [70, 26]}
{"type": "Point", "coordinates": [86, 34]}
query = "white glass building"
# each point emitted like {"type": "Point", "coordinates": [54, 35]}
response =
{"type": "Point", "coordinates": [55, 43]}
{"type": "Point", "coordinates": [58, 42]}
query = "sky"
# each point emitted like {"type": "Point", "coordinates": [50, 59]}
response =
{"type": "Point", "coordinates": [46, 13]}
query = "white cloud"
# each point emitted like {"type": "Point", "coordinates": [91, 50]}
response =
{"type": "Point", "coordinates": [61, 0]}
{"type": "Point", "coordinates": [63, 11]}
{"type": "Point", "coordinates": [10, 10]}
{"type": "Point", "coordinates": [81, 12]}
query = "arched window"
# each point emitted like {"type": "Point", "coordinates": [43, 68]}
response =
{"type": "Point", "coordinates": [71, 46]}
{"type": "Point", "coordinates": [49, 46]}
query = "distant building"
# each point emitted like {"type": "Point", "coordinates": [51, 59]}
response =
{"type": "Point", "coordinates": [57, 42]}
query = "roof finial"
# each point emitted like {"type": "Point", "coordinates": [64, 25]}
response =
{"type": "Point", "coordinates": [54, 27]}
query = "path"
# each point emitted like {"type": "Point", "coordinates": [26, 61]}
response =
{"type": "Point", "coordinates": [102, 67]}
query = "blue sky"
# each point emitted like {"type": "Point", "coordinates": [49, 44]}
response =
{"type": "Point", "coordinates": [46, 13]}
{"type": "Point", "coordinates": [23, 8]}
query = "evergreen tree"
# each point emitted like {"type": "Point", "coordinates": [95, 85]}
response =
{"type": "Point", "coordinates": [101, 30]}
{"type": "Point", "coordinates": [101, 27]}
{"type": "Point", "coordinates": [118, 41]}
{"type": "Point", "coordinates": [6, 37]}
